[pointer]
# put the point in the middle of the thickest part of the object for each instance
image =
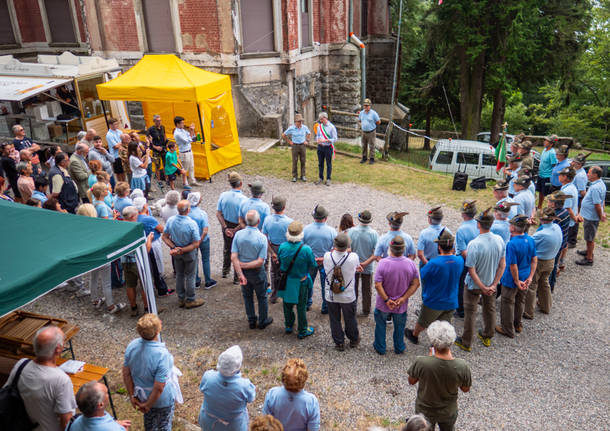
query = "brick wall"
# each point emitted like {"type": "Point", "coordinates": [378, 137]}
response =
{"type": "Point", "coordinates": [335, 22]}
{"type": "Point", "coordinates": [30, 21]}
{"type": "Point", "coordinates": [200, 25]}
{"type": "Point", "coordinates": [290, 24]}
{"type": "Point", "coordinates": [79, 18]}
{"type": "Point", "coordinates": [119, 21]}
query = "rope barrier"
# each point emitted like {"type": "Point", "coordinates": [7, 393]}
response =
{"type": "Point", "coordinates": [413, 133]}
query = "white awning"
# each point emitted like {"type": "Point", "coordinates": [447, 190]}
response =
{"type": "Point", "coordinates": [19, 88]}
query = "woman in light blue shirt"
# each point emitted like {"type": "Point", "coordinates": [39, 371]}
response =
{"type": "Point", "coordinates": [226, 394]}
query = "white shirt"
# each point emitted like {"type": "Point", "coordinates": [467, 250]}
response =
{"type": "Point", "coordinates": [136, 170]}
{"type": "Point", "coordinates": [183, 139]}
{"type": "Point", "coordinates": [348, 268]}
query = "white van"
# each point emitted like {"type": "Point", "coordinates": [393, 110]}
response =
{"type": "Point", "coordinates": [474, 158]}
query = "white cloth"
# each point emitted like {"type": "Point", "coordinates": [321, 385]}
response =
{"type": "Point", "coordinates": [348, 268]}
{"type": "Point", "coordinates": [157, 249]}
{"type": "Point", "coordinates": [136, 170]}
{"type": "Point", "coordinates": [173, 380]}
{"type": "Point", "coordinates": [229, 361]}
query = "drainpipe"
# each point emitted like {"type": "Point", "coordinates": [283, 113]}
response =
{"type": "Point", "coordinates": [354, 39]}
{"type": "Point", "coordinates": [350, 26]}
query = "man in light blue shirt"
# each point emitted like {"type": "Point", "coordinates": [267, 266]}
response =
{"type": "Point", "coordinates": [395, 220]}
{"type": "Point", "coordinates": [326, 136]}
{"type": "Point", "coordinates": [274, 229]}
{"type": "Point", "coordinates": [467, 231]}
{"type": "Point", "coordinates": [548, 159]}
{"type": "Point", "coordinates": [182, 236]}
{"type": "Point", "coordinates": [591, 213]}
{"type": "Point", "coordinates": [500, 225]}
{"type": "Point", "coordinates": [320, 237]}
{"type": "Point", "coordinates": [201, 218]}
{"type": "Point", "coordinates": [92, 400]}
{"type": "Point", "coordinates": [254, 203]}
{"type": "Point", "coordinates": [566, 177]}
{"type": "Point", "coordinates": [500, 192]}
{"type": "Point", "coordinates": [580, 181]}
{"type": "Point", "coordinates": [512, 173]}
{"type": "Point", "coordinates": [184, 138]}
{"type": "Point", "coordinates": [297, 135]}
{"type": "Point", "coordinates": [427, 248]}
{"type": "Point", "coordinates": [113, 138]}
{"type": "Point", "coordinates": [227, 213]}
{"type": "Point", "coordinates": [523, 197]}
{"type": "Point", "coordinates": [562, 163]}
{"type": "Point", "coordinates": [369, 120]}
{"type": "Point", "coordinates": [363, 240]}
{"type": "Point", "coordinates": [248, 254]}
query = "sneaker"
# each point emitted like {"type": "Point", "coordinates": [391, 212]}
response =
{"type": "Point", "coordinates": [266, 323]}
{"type": "Point", "coordinates": [304, 179]}
{"type": "Point", "coordinates": [353, 344]}
{"type": "Point", "coordinates": [210, 284]}
{"type": "Point", "coordinates": [460, 343]}
{"type": "Point", "coordinates": [309, 331]}
{"type": "Point", "coordinates": [412, 338]}
{"type": "Point", "coordinates": [294, 179]}
{"type": "Point", "coordinates": [225, 274]}
{"type": "Point", "coordinates": [97, 304]}
{"type": "Point", "coordinates": [194, 304]}
{"type": "Point", "coordinates": [501, 331]}
{"type": "Point", "coordinates": [195, 183]}
{"type": "Point", "coordinates": [485, 340]}
{"type": "Point", "coordinates": [582, 252]}
{"type": "Point", "coordinates": [388, 320]}
{"type": "Point", "coordinates": [288, 330]}
{"type": "Point", "coordinates": [340, 347]}
{"type": "Point", "coordinates": [317, 183]}
{"type": "Point", "coordinates": [327, 182]}
{"type": "Point", "coordinates": [83, 292]}
{"type": "Point", "coordinates": [363, 160]}
{"type": "Point", "coordinates": [115, 308]}
{"type": "Point", "coordinates": [197, 284]}
{"type": "Point", "coordinates": [323, 311]}
{"type": "Point", "coordinates": [186, 187]}
{"type": "Point", "coordinates": [583, 262]}
{"type": "Point", "coordinates": [134, 311]}
{"type": "Point", "coordinates": [168, 292]}
{"type": "Point", "coordinates": [371, 161]}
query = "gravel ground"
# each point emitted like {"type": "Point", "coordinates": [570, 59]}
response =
{"type": "Point", "coordinates": [555, 375]}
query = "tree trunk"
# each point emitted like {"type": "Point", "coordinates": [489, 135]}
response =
{"type": "Point", "coordinates": [497, 116]}
{"type": "Point", "coordinates": [472, 73]}
{"type": "Point", "coordinates": [428, 122]}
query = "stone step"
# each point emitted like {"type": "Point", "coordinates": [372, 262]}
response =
{"type": "Point", "coordinates": [257, 145]}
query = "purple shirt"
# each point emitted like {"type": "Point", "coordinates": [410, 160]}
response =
{"type": "Point", "coordinates": [395, 274]}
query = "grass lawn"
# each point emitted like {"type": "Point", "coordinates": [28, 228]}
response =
{"type": "Point", "coordinates": [402, 175]}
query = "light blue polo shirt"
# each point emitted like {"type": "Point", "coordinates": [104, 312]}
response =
{"type": "Point", "coordinates": [258, 205]}
{"type": "Point", "coordinates": [201, 218]}
{"type": "Point", "coordinates": [595, 195]}
{"type": "Point", "coordinates": [103, 210]}
{"type": "Point", "coordinates": [297, 135]}
{"type": "Point", "coordinates": [511, 182]}
{"type": "Point", "coordinates": [526, 202]}
{"type": "Point", "coordinates": [501, 228]}
{"type": "Point", "coordinates": [183, 230]}
{"type": "Point", "coordinates": [548, 240]}
{"type": "Point", "coordinates": [565, 163]}
{"type": "Point", "coordinates": [368, 120]}
{"type": "Point", "coordinates": [364, 239]}
{"type": "Point", "coordinates": [229, 203]}
{"type": "Point", "coordinates": [426, 243]}
{"type": "Point", "coordinates": [320, 237]}
{"type": "Point", "coordinates": [548, 159]}
{"type": "Point", "coordinates": [275, 228]}
{"type": "Point", "coordinates": [121, 203]}
{"type": "Point", "coordinates": [249, 244]}
{"type": "Point", "coordinates": [297, 411]}
{"type": "Point", "coordinates": [467, 231]}
{"type": "Point", "coordinates": [484, 254]}
{"type": "Point", "coordinates": [113, 137]}
{"type": "Point", "coordinates": [581, 180]}
{"type": "Point", "coordinates": [572, 202]}
{"type": "Point", "coordinates": [513, 209]}
{"type": "Point", "coordinates": [383, 245]}
{"type": "Point", "coordinates": [183, 139]}
{"type": "Point", "coordinates": [150, 362]}
{"type": "Point", "coordinates": [97, 423]}
{"type": "Point", "coordinates": [40, 196]}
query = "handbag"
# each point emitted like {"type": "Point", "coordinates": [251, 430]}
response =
{"type": "Point", "coordinates": [284, 274]}
{"type": "Point", "coordinates": [13, 415]}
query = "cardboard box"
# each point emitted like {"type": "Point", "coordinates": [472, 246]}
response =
{"type": "Point", "coordinates": [53, 108]}
{"type": "Point", "coordinates": [55, 130]}
{"type": "Point", "coordinates": [40, 131]}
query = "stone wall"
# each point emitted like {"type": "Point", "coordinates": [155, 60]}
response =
{"type": "Point", "coordinates": [379, 69]}
{"type": "Point", "coordinates": [261, 109]}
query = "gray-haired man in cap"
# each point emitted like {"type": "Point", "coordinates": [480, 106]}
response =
{"type": "Point", "coordinates": [364, 239]}
{"type": "Point", "coordinates": [580, 182]}
{"type": "Point", "coordinates": [297, 136]}
{"type": "Point", "coordinates": [227, 213]}
{"type": "Point", "coordinates": [274, 229]}
{"type": "Point", "coordinates": [369, 120]}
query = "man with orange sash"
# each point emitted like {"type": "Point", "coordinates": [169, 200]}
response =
{"type": "Point", "coordinates": [326, 135]}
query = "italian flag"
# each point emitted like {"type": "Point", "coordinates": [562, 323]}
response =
{"type": "Point", "coordinates": [501, 153]}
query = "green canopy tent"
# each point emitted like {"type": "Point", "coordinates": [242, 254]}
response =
{"type": "Point", "coordinates": [41, 249]}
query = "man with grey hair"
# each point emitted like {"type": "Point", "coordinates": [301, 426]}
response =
{"type": "Point", "coordinates": [92, 400]}
{"type": "Point", "coordinates": [592, 213]}
{"type": "Point", "coordinates": [46, 390]}
{"type": "Point", "coordinates": [248, 255]}
{"type": "Point", "coordinates": [326, 136]}
{"type": "Point", "coordinates": [88, 138]}
{"type": "Point", "coordinates": [439, 375]}
{"type": "Point", "coordinates": [79, 170]}
{"type": "Point", "coordinates": [182, 236]}
{"type": "Point", "coordinates": [98, 152]}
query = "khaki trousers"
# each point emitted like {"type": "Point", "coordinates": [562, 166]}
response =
{"type": "Point", "coordinates": [471, 301]}
{"type": "Point", "coordinates": [511, 310]}
{"type": "Point", "coordinates": [368, 142]}
{"type": "Point", "coordinates": [298, 152]}
{"type": "Point", "coordinates": [540, 284]}
{"type": "Point", "coordinates": [188, 163]}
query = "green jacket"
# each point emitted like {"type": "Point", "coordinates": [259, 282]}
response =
{"type": "Point", "coordinates": [303, 263]}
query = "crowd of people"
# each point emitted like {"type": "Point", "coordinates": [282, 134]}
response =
{"type": "Point", "coordinates": [492, 255]}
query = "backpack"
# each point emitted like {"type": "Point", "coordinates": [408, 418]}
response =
{"type": "Point", "coordinates": [13, 416]}
{"type": "Point", "coordinates": [460, 179]}
{"type": "Point", "coordinates": [337, 281]}
{"type": "Point", "coordinates": [479, 183]}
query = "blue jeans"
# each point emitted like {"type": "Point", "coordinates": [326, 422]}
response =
{"type": "Point", "coordinates": [204, 248]}
{"type": "Point", "coordinates": [400, 320]}
{"type": "Point", "coordinates": [257, 284]}
{"type": "Point", "coordinates": [325, 153]}
{"type": "Point", "coordinates": [313, 274]}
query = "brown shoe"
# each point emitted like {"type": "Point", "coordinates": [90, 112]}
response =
{"type": "Point", "coordinates": [528, 317]}
{"type": "Point", "coordinates": [181, 303]}
{"type": "Point", "coordinates": [194, 304]}
{"type": "Point", "coordinates": [500, 330]}
{"type": "Point", "coordinates": [518, 329]}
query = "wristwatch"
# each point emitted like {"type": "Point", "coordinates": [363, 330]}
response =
{"type": "Point", "coordinates": [386, 300]}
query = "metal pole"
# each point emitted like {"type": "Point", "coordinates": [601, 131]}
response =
{"type": "Point", "coordinates": [390, 125]}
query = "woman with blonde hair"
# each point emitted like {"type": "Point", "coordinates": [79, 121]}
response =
{"type": "Point", "coordinates": [291, 404]}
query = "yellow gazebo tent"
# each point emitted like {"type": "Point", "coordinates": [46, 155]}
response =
{"type": "Point", "coordinates": [169, 86]}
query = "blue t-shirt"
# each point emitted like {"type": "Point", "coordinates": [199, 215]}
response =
{"type": "Point", "coordinates": [182, 230]}
{"type": "Point", "coordinates": [201, 218]}
{"type": "Point", "coordinates": [440, 279]}
{"type": "Point", "coordinates": [249, 244]}
{"type": "Point", "coordinates": [383, 245]}
{"type": "Point", "coordinates": [426, 243]}
{"type": "Point", "coordinates": [547, 161]}
{"type": "Point", "coordinates": [519, 251]}
{"type": "Point", "coordinates": [501, 228]}
{"type": "Point", "coordinates": [275, 228]}
{"type": "Point", "coordinates": [297, 134]}
{"type": "Point", "coordinates": [364, 239]}
{"type": "Point", "coordinates": [368, 120]}
{"type": "Point", "coordinates": [581, 180]}
{"type": "Point", "coordinates": [320, 237]}
{"type": "Point", "coordinates": [40, 196]}
{"type": "Point", "coordinates": [229, 203]}
{"type": "Point", "coordinates": [97, 423]}
{"type": "Point", "coordinates": [121, 203]}
{"type": "Point", "coordinates": [595, 195]}
{"type": "Point", "coordinates": [103, 210]}
{"type": "Point", "coordinates": [548, 239]}
{"type": "Point", "coordinates": [255, 204]}
{"type": "Point", "coordinates": [297, 411]}
{"type": "Point", "coordinates": [467, 231]}
{"type": "Point", "coordinates": [565, 163]}
{"type": "Point", "coordinates": [150, 362]}
{"type": "Point", "coordinates": [572, 201]}
{"type": "Point", "coordinates": [150, 225]}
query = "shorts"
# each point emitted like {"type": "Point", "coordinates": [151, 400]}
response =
{"type": "Point", "coordinates": [428, 315]}
{"type": "Point", "coordinates": [130, 272]}
{"type": "Point", "coordinates": [118, 166]}
{"type": "Point", "coordinates": [590, 228]}
{"type": "Point", "coordinates": [541, 185]}
{"type": "Point", "coordinates": [171, 177]}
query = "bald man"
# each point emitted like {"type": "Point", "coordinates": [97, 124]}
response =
{"type": "Point", "coordinates": [88, 138]}
{"type": "Point", "coordinates": [92, 400]}
{"type": "Point", "coordinates": [79, 170]}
